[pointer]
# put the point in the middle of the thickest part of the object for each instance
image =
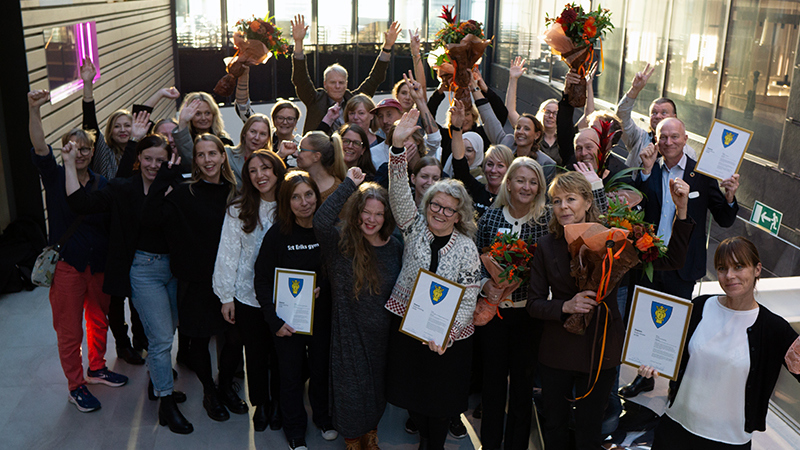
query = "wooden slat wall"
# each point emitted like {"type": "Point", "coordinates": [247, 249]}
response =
{"type": "Point", "coordinates": [134, 40]}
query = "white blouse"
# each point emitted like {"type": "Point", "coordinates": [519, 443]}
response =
{"type": "Point", "coordinates": [236, 256]}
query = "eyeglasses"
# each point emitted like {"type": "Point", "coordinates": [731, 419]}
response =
{"type": "Point", "coordinates": [446, 210]}
{"type": "Point", "coordinates": [85, 150]}
{"type": "Point", "coordinates": [549, 113]}
{"type": "Point", "coordinates": [307, 150]}
{"type": "Point", "coordinates": [346, 141]}
{"type": "Point", "coordinates": [285, 119]}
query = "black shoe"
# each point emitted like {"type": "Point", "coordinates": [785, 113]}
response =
{"type": "Point", "coordinates": [169, 414]}
{"type": "Point", "coordinates": [477, 413]}
{"type": "Point", "coordinates": [275, 417]}
{"type": "Point", "coordinates": [140, 344]}
{"type": "Point", "coordinates": [638, 385]}
{"type": "Point", "coordinates": [411, 427]}
{"type": "Point", "coordinates": [457, 428]}
{"type": "Point", "coordinates": [214, 408]}
{"type": "Point", "coordinates": [260, 419]}
{"type": "Point", "coordinates": [130, 356]}
{"type": "Point", "coordinates": [179, 396]}
{"type": "Point", "coordinates": [297, 444]}
{"type": "Point", "coordinates": [231, 400]}
{"type": "Point", "coordinates": [423, 443]}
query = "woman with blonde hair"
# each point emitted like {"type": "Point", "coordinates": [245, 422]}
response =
{"type": "Point", "coordinates": [322, 157]}
{"type": "Point", "coordinates": [363, 260]}
{"type": "Point", "coordinates": [197, 114]}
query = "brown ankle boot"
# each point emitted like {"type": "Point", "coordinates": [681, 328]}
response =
{"type": "Point", "coordinates": [369, 441]}
{"type": "Point", "coordinates": [354, 444]}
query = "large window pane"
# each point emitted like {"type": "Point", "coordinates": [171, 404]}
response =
{"type": "Point", "coordinates": [758, 63]}
{"type": "Point", "coordinates": [285, 10]}
{"type": "Point", "coordinates": [613, 44]}
{"type": "Point", "coordinates": [335, 22]}
{"type": "Point", "coordinates": [410, 15]}
{"type": "Point", "coordinates": [373, 20]}
{"type": "Point", "coordinates": [198, 23]}
{"type": "Point", "coordinates": [695, 54]}
{"type": "Point", "coordinates": [434, 11]}
{"type": "Point", "coordinates": [646, 43]}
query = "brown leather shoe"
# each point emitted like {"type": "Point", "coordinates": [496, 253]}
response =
{"type": "Point", "coordinates": [353, 444]}
{"type": "Point", "coordinates": [369, 441]}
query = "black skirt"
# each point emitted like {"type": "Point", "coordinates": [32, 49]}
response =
{"type": "Point", "coordinates": [425, 382]}
{"type": "Point", "coordinates": [199, 310]}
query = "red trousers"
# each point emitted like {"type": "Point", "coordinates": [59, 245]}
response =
{"type": "Point", "coordinates": [74, 294]}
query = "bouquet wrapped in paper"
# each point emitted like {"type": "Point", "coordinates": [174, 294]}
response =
{"type": "Point", "coordinates": [600, 258]}
{"type": "Point", "coordinates": [255, 40]}
{"type": "Point", "coordinates": [457, 48]}
{"type": "Point", "coordinates": [573, 35]}
{"type": "Point", "coordinates": [507, 261]}
{"type": "Point", "coordinates": [642, 235]}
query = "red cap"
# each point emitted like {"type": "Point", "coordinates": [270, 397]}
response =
{"type": "Point", "coordinates": [387, 103]}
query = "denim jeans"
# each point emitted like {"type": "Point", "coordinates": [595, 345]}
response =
{"type": "Point", "coordinates": [154, 294]}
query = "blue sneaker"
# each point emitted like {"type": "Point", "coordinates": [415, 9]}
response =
{"type": "Point", "coordinates": [105, 376]}
{"type": "Point", "coordinates": [83, 399]}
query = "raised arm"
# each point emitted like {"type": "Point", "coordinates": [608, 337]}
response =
{"type": "Point", "coordinates": [514, 73]}
{"type": "Point", "coordinates": [492, 126]}
{"type": "Point", "coordinates": [300, 78]}
{"type": "Point", "coordinates": [87, 73]}
{"type": "Point", "coordinates": [328, 213]}
{"type": "Point", "coordinates": [633, 136]}
{"type": "Point", "coordinates": [168, 93]}
{"type": "Point", "coordinates": [242, 102]}
{"type": "Point", "coordinates": [378, 72]}
{"type": "Point", "coordinates": [418, 94]}
{"type": "Point", "coordinates": [419, 66]}
{"type": "Point", "coordinates": [400, 197]}
{"type": "Point", "coordinates": [35, 101]}
{"type": "Point", "coordinates": [498, 105]}
{"type": "Point", "coordinates": [589, 108]}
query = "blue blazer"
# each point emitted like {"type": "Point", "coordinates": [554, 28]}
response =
{"type": "Point", "coordinates": [710, 198]}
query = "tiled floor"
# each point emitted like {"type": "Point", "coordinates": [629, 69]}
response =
{"type": "Point", "coordinates": [35, 413]}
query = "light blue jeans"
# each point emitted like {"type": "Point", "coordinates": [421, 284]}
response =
{"type": "Point", "coordinates": [154, 294]}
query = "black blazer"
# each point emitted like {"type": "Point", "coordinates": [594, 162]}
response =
{"type": "Point", "coordinates": [710, 199]}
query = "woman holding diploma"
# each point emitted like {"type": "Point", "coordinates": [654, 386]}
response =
{"type": "Point", "coordinates": [431, 382]}
{"type": "Point", "coordinates": [733, 336]}
{"type": "Point", "coordinates": [363, 260]}
{"type": "Point", "coordinates": [291, 244]}
{"type": "Point", "coordinates": [249, 217]}
{"type": "Point", "coordinates": [568, 362]}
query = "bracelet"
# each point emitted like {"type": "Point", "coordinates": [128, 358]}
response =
{"type": "Point", "coordinates": [452, 128]}
{"type": "Point", "coordinates": [387, 51]}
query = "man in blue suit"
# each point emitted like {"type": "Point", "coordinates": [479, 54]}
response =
{"type": "Point", "coordinates": [704, 194]}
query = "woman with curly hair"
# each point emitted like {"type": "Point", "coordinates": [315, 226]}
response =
{"type": "Point", "coordinates": [363, 260]}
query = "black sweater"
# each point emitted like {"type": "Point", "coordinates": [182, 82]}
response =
{"type": "Point", "coordinates": [298, 250]}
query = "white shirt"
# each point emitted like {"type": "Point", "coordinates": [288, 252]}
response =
{"type": "Point", "coordinates": [710, 402]}
{"type": "Point", "coordinates": [236, 256]}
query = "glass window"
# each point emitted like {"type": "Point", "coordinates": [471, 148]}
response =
{"type": "Point", "coordinates": [335, 22]}
{"type": "Point", "coordinates": [373, 21]}
{"type": "Point", "coordinates": [693, 65]}
{"type": "Point", "coordinates": [198, 23]}
{"type": "Point", "coordinates": [608, 79]}
{"type": "Point", "coordinates": [410, 15]}
{"type": "Point", "coordinates": [757, 69]}
{"type": "Point", "coordinates": [285, 10]}
{"type": "Point", "coordinates": [435, 23]}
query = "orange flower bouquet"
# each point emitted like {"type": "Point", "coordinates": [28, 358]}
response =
{"type": "Point", "coordinates": [573, 35]}
{"type": "Point", "coordinates": [457, 48]}
{"type": "Point", "coordinates": [507, 261]}
{"type": "Point", "coordinates": [255, 40]}
{"type": "Point", "coordinates": [642, 234]}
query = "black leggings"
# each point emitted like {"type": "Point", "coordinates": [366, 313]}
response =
{"type": "Point", "coordinates": [229, 359]}
{"type": "Point", "coordinates": [432, 428]}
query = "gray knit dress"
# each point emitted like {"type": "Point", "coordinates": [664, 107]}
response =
{"type": "Point", "coordinates": [359, 327]}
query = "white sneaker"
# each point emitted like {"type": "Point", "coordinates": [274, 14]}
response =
{"type": "Point", "coordinates": [329, 434]}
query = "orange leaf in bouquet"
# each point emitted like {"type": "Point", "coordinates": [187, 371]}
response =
{"type": "Point", "coordinates": [487, 308]}
{"type": "Point", "coordinates": [588, 244]}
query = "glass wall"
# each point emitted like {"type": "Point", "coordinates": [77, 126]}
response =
{"type": "Point", "coordinates": [725, 59]}
{"type": "Point", "coordinates": [198, 23]}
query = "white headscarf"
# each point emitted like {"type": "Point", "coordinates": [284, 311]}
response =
{"type": "Point", "coordinates": [477, 143]}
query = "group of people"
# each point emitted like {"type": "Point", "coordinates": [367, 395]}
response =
{"type": "Point", "coordinates": [191, 227]}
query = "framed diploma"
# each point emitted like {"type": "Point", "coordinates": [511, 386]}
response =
{"type": "Point", "coordinates": [294, 298]}
{"type": "Point", "coordinates": [656, 331]}
{"type": "Point", "coordinates": [723, 151]}
{"type": "Point", "coordinates": [432, 308]}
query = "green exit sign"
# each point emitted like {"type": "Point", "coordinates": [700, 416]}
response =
{"type": "Point", "coordinates": [767, 218]}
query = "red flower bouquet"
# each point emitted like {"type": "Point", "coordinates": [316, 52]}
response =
{"type": "Point", "coordinates": [507, 261]}
{"type": "Point", "coordinates": [255, 40]}
{"type": "Point", "coordinates": [462, 45]}
{"type": "Point", "coordinates": [573, 35]}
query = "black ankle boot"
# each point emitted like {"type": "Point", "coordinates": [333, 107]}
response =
{"type": "Point", "coordinates": [275, 417]}
{"type": "Point", "coordinates": [214, 407]}
{"type": "Point", "coordinates": [260, 419]}
{"type": "Point", "coordinates": [231, 399]}
{"type": "Point", "coordinates": [179, 396]}
{"type": "Point", "coordinates": [169, 414]}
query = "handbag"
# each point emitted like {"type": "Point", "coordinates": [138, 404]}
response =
{"type": "Point", "coordinates": [44, 269]}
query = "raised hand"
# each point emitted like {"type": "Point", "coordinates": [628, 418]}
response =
{"type": "Point", "coordinates": [187, 113]}
{"type": "Point", "coordinates": [38, 98]}
{"type": "Point", "coordinates": [332, 114]}
{"type": "Point", "coordinates": [414, 86]}
{"type": "Point", "coordinates": [299, 28]}
{"type": "Point", "coordinates": [730, 185]}
{"type": "Point", "coordinates": [405, 127]}
{"type": "Point", "coordinates": [68, 153]}
{"type": "Point", "coordinates": [517, 67]}
{"type": "Point", "coordinates": [476, 75]}
{"type": "Point", "coordinates": [174, 160]}
{"type": "Point", "coordinates": [587, 171]}
{"type": "Point", "coordinates": [141, 123]}
{"type": "Point", "coordinates": [390, 35]}
{"type": "Point", "coordinates": [355, 174]}
{"type": "Point", "coordinates": [286, 148]}
{"type": "Point", "coordinates": [170, 93]}
{"type": "Point", "coordinates": [591, 73]}
{"type": "Point", "coordinates": [648, 155]}
{"type": "Point", "coordinates": [457, 114]}
{"type": "Point", "coordinates": [416, 42]}
{"type": "Point", "coordinates": [88, 70]}
{"type": "Point", "coordinates": [571, 78]}
{"type": "Point", "coordinates": [679, 190]}
{"type": "Point", "coordinates": [640, 80]}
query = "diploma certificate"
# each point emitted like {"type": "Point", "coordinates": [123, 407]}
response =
{"type": "Point", "coordinates": [294, 298]}
{"type": "Point", "coordinates": [657, 331]}
{"type": "Point", "coordinates": [432, 308]}
{"type": "Point", "coordinates": [723, 151]}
